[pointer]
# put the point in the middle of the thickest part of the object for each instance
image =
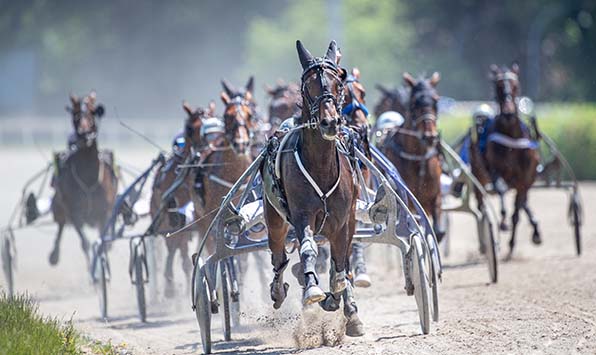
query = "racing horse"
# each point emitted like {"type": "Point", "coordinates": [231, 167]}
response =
{"type": "Point", "coordinates": [315, 190]}
{"type": "Point", "coordinates": [414, 147]}
{"type": "Point", "coordinates": [393, 100]}
{"type": "Point", "coordinates": [510, 153]}
{"type": "Point", "coordinates": [185, 144]}
{"type": "Point", "coordinates": [85, 182]}
{"type": "Point", "coordinates": [284, 103]}
{"type": "Point", "coordinates": [226, 153]}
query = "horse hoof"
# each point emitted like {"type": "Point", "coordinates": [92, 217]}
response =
{"type": "Point", "coordinates": [298, 273]}
{"type": "Point", "coordinates": [354, 326]}
{"type": "Point", "coordinates": [54, 256]}
{"type": "Point", "coordinates": [362, 280]}
{"type": "Point", "coordinates": [536, 239]}
{"type": "Point", "coordinates": [312, 295]}
{"type": "Point", "coordinates": [278, 296]}
{"type": "Point", "coordinates": [330, 304]}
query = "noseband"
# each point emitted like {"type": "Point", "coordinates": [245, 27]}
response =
{"type": "Point", "coordinates": [320, 66]}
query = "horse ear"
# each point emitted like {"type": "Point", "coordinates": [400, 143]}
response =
{"type": "Point", "coordinates": [435, 78]}
{"type": "Point", "coordinates": [382, 89]}
{"type": "Point", "coordinates": [269, 90]}
{"type": "Point", "coordinates": [250, 84]}
{"type": "Point", "coordinates": [356, 73]}
{"type": "Point", "coordinates": [225, 98]}
{"type": "Point", "coordinates": [515, 67]}
{"type": "Point", "coordinates": [73, 99]}
{"type": "Point", "coordinates": [408, 79]}
{"type": "Point", "coordinates": [303, 54]}
{"type": "Point", "coordinates": [332, 52]}
{"type": "Point", "coordinates": [248, 96]}
{"type": "Point", "coordinates": [227, 87]}
{"type": "Point", "coordinates": [338, 55]}
{"type": "Point", "coordinates": [211, 108]}
{"type": "Point", "coordinates": [99, 111]}
{"type": "Point", "coordinates": [187, 107]}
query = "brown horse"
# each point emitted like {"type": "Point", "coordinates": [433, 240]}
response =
{"type": "Point", "coordinates": [166, 175]}
{"type": "Point", "coordinates": [516, 166]}
{"type": "Point", "coordinates": [318, 190]}
{"type": "Point", "coordinates": [413, 148]}
{"type": "Point", "coordinates": [284, 103]}
{"type": "Point", "coordinates": [226, 154]}
{"type": "Point", "coordinates": [85, 182]}
{"type": "Point", "coordinates": [393, 100]}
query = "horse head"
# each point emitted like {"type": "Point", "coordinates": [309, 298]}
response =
{"type": "Point", "coordinates": [284, 102]}
{"type": "Point", "coordinates": [507, 88]}
{"type": "Point", "coordinates": [422, 115]}
{"type": "Point", "coordinates": [85, 113]}
{"type": "Point", "coordinates": [239, 115]}
{"type": "Point", "coordinates": [193, 124]}
{"type": "Point", "coordinates": [322, 90]}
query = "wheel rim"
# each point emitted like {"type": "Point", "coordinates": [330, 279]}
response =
{"type": "Point", "coordinates": [140, 286]}
{"type": "Point", "coordinates": [421, 284]}
{"type": "Point", "coordinates": [576, 228]}
{"type": "Point", "coordinates": [203, 308]}
{"type": "Point", "coordinates": [491, 248]}
{"type": "Point", "coordinates": [225, 291]}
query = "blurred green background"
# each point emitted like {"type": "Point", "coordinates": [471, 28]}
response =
{"type": "Point", "coordinates": [145, 57]}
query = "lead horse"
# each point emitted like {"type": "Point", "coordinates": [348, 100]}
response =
{"type": "Point", "coordinates": [319, 190]}
{"type": "Point", "coordinates": [85, 182]}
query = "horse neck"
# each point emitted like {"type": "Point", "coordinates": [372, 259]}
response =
{"type": "Point", "coordinates": [85, 163]}
{"type": "Point", "coordinates": [319, 157]}
{"type": "Point", "coordinates": [513, 129]}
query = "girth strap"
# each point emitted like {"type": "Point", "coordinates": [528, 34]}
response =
{"type": "Point", "coordinates": [312, 182]}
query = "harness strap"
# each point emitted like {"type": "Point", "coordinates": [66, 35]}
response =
{"type": "Point", "coordinates": [223, 182]}
{"type": "Point", "coordinates": [313, 183]}
{"type": "Point", "coordinates": [419, 157]}
{"type": "Point", "coordinates": [514, 143]}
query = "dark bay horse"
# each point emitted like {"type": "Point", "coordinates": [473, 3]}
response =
{"type": "Point", "coordinates": [516, 166]}
{"type": "Point", "coordinates": [393, 100]}
{"type": "Point", "coordinates": [414, 147]}
{"type": "Point", "coordinates": [320, 193]}
{"type": "Point", "coordinates": [284, 103]}
{"type": "Point", "coordinates": [166, 176]}
{"type": "Point", "coordinates": [85, 182]}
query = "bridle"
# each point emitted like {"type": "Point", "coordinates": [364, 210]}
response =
{"type": "Point", "coordinates": [321, 66]}
{"type": "Point", "coordinates": [507, 93]}
{"type": "Point", "coordinates": [238, 102]}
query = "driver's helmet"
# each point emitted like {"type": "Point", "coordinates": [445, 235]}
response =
{"type": "Point", "coordinates": [389, 120]}
{"type": "Point", "coordinates": [483, 112]}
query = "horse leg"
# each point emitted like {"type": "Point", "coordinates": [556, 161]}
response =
{"type": "Point", "coordinates": [186, 262]}
{"type": "Point", "coordinates": [277, 231]}
{"type": "Point", "coordinates": [308, 258]}
{"type": "Point", "coordinates": [536, 239]}
{"type": "Point", "coordinates": [361, 278]}
{"type": "Point", "coordinates": [436, 215]}
{"type": "Point", "coordinates": [519, 202]}
{"type": "Point", "coordinates": [55, 254]}
{"type": "Point", "coordinates": [84, 242]}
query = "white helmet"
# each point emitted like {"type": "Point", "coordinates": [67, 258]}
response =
{"type": "Point", "coordinates": [483, 110]}
{"type": "Point", "coordinates": [389, 120]}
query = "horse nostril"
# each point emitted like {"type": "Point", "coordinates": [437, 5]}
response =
{"type": "Point", "coordinates": [324, 123]}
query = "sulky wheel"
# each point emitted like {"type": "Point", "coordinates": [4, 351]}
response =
{"type": "Point", "coordinates": [434, 267]}
{"type": "Point", "coordinates": [420, 280]}
{"type": "Point", "coordinates": [8, 261]}
{"type": "Point", "coordinates": [102, 282]}
{"type": "Point", "coordinates": [139, 281]}
{"type": "Point", "coordinates": [202, 305]}
{"type": "Point", "coordinates": [225, 292]}
{"type": "Point", "coordinates": [490, 247]}
{"type": "Point", "coordinates": [576, 215]}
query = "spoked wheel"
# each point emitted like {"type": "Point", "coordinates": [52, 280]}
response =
{"type": "Point", "coordinates": [202, 305]}
{"type": "Point", "coordinates": [576, 220]}
{"type": "Point", "coordinates": [225, 291]}
{"type": "Point", "coordinates": [490, 248]}
{"type": "Point", "coordinates": [8, 262]}
{"type": "Point", "coordinates": [434, 266]}
{"type": "Point", "coordinates": [102, 281]}
{"type": "Point", "coordinates": [139, 281]}
{"type": "Point", "coordinates": [420, 280]}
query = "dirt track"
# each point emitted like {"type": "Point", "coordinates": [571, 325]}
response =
{"type": "Point", "coordinates": [545, 301]}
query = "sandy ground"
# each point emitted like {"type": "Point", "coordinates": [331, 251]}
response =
{"type": "Point", "coordinates": [545, 301]}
